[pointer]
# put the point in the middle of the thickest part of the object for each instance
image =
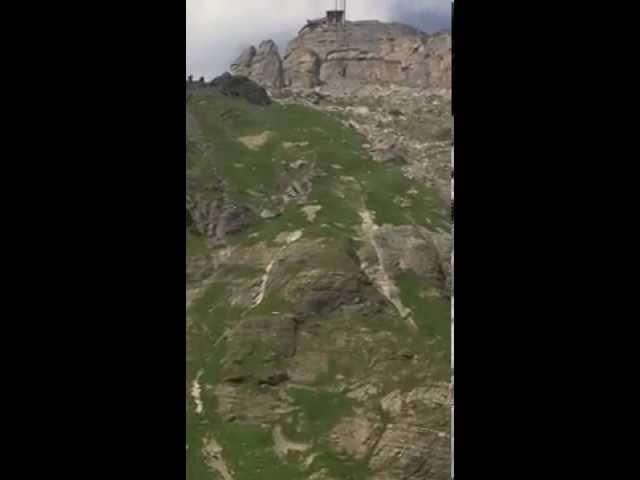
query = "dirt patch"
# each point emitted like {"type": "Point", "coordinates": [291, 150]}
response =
{"type": "Point", "coordinates": [192, 294]}
{"type": "Point", "coordinates": [195, 393]}
{"type": "Point", "coordinates": [283, 446]}
{"type": "Point", "coordinates": [311, 211]}
{"type": "Point", "coordinates": [363, 393]}
{"type": "Point", "coordinates": [392, 403]}
{"type": "Point", "coordinates": [289, 145]}
{"type": "Point", "coordinates": [213, 457]}
{"type": "Point", "coordinates": [255, 142]}
{"type": "Point", "coordinates": [288, 237]}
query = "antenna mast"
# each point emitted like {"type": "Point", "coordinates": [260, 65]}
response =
{"type": "Point", "coordinates": [342, 5]}
{"type": "Point", "coordinates": [338, 19]}
{"type": "Point", "coordinates": [344, 21]}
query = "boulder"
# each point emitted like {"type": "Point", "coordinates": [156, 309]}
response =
{"type": "Point", "coordinates": [239, 86]}
{"type": "Point", "coordinates": [233, 219]}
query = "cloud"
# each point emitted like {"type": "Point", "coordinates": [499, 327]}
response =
{"type": "Point", "coordinates": [218, 30]}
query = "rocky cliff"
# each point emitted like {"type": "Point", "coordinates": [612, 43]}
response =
{"type": "Point", "coordinates": [364, 52]}
{"type": "Point", "coordinates": [262, 65]}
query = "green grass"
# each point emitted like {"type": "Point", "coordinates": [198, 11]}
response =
{"type": "Point", "coordinates": [257, 178]}
{"type": "Point", "coordinates": [223, 120]}
{"type": "Point", "coordinates": [432, 314]}
{"type": "Point", "coordinates": [196, 244]}
{"type": "Point", "coordinates": [384, 185]}
{"type": "Point", "coordinates": [321, 410]}
{"type": "Point", "coordinates": [335, 210]}
{"type": "Point", "coordinates": [433, 317]}
{"type": "Point", "coordinates": [267, 230]}
{"type": "Point", "coordinates": [320, 413]}
{"type": "Point", "coordinates": [264, 170]}
{"type": "Point", "coordinates": [249, 451]}
{"type": "Point", "coordinates": [210, 316]}
{"type": "Point", "coordinates": [342, 468]}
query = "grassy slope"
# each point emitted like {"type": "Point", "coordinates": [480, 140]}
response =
{"type": "Point", "coordinates": [253, 177]}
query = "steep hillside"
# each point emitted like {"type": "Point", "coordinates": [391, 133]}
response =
{"type": "Point", "coordinates": [318, 329]}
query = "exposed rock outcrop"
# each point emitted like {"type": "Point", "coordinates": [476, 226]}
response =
{"type": "Point", "coordinates": [302, 69]}
{"type": "Point", "coordinates": [439, 60]}
{"type": "Point", "coordinates": [263, 65]}
{"type": "Point", "coordinates": [210, 214]}
{"type": "Point", "coordinates": [258, 347]}
{"type": "Point", "coordinates": [371, 52]}
{"type": "Point", "coordinates": [410, 452]}
{"type": "Point", "coordinates": [241, 86]}
{"type": "Point", "coordinates": [365, 52]}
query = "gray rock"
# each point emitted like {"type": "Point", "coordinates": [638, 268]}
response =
{"type": "Point", "coordinates": [368, 52]}
{"type": "Point", "coordinates": [299, 189]}
{"type": "Point", "coordinates": [262, 65]}
{"type": "Point", "coordinates": [268, 214]}
{"type": "Point", "coordinates": [392, 157]}
{"type": "Point", "coordinates": [204, 204]}
{"type": "Point", "coordinates": [239, 86]}
{"type": "Point", "coordinates": [242, 65]}
{"type": "Point", "coordinates": [302, 69]}
{"type": "Point", "coordinates": [298, 164]}
{"type": "Point", "coordinates": [273, 378]}
{"type": "Point", "coordinates": [416, 464]}
{"type": "Point", "coordinates": [374, 53]}
{"type": "Point", "coordinates": [233, 219]}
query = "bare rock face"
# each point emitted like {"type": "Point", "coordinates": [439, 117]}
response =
{"type": "Point", "coordinates": [439, 60]}
{"type": "Point", "coordinates": [239, 86]}
{"type": "Point", "coordinates": [211, 215]}
{"type": "Point", "coordinates": [406, 248]}
{"type": "Point", "coordinates": [364, 53]}
{"type": "Point", "coordinates": [262, 65]}
{"type": "Point", "coordinates": [410, 452]}
{"type": "Point", "coordinates": [302, 70]}
{"type": "Point", "coordinates": [368, 52]}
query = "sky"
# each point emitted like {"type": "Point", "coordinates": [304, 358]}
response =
{"type": "Point", "coordinates": [218, 30]}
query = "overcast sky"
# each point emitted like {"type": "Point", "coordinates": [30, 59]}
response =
{"type": "Point", "coordinates": [218, 30]}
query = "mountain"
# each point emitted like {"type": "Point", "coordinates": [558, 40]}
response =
{"type": "Point", "coordinates": [318, 260]}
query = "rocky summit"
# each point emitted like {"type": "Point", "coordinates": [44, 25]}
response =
{"type": "Point", "coordinates": [356, 54]}
{"type": "Point", "coordinates": [319, 260]}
